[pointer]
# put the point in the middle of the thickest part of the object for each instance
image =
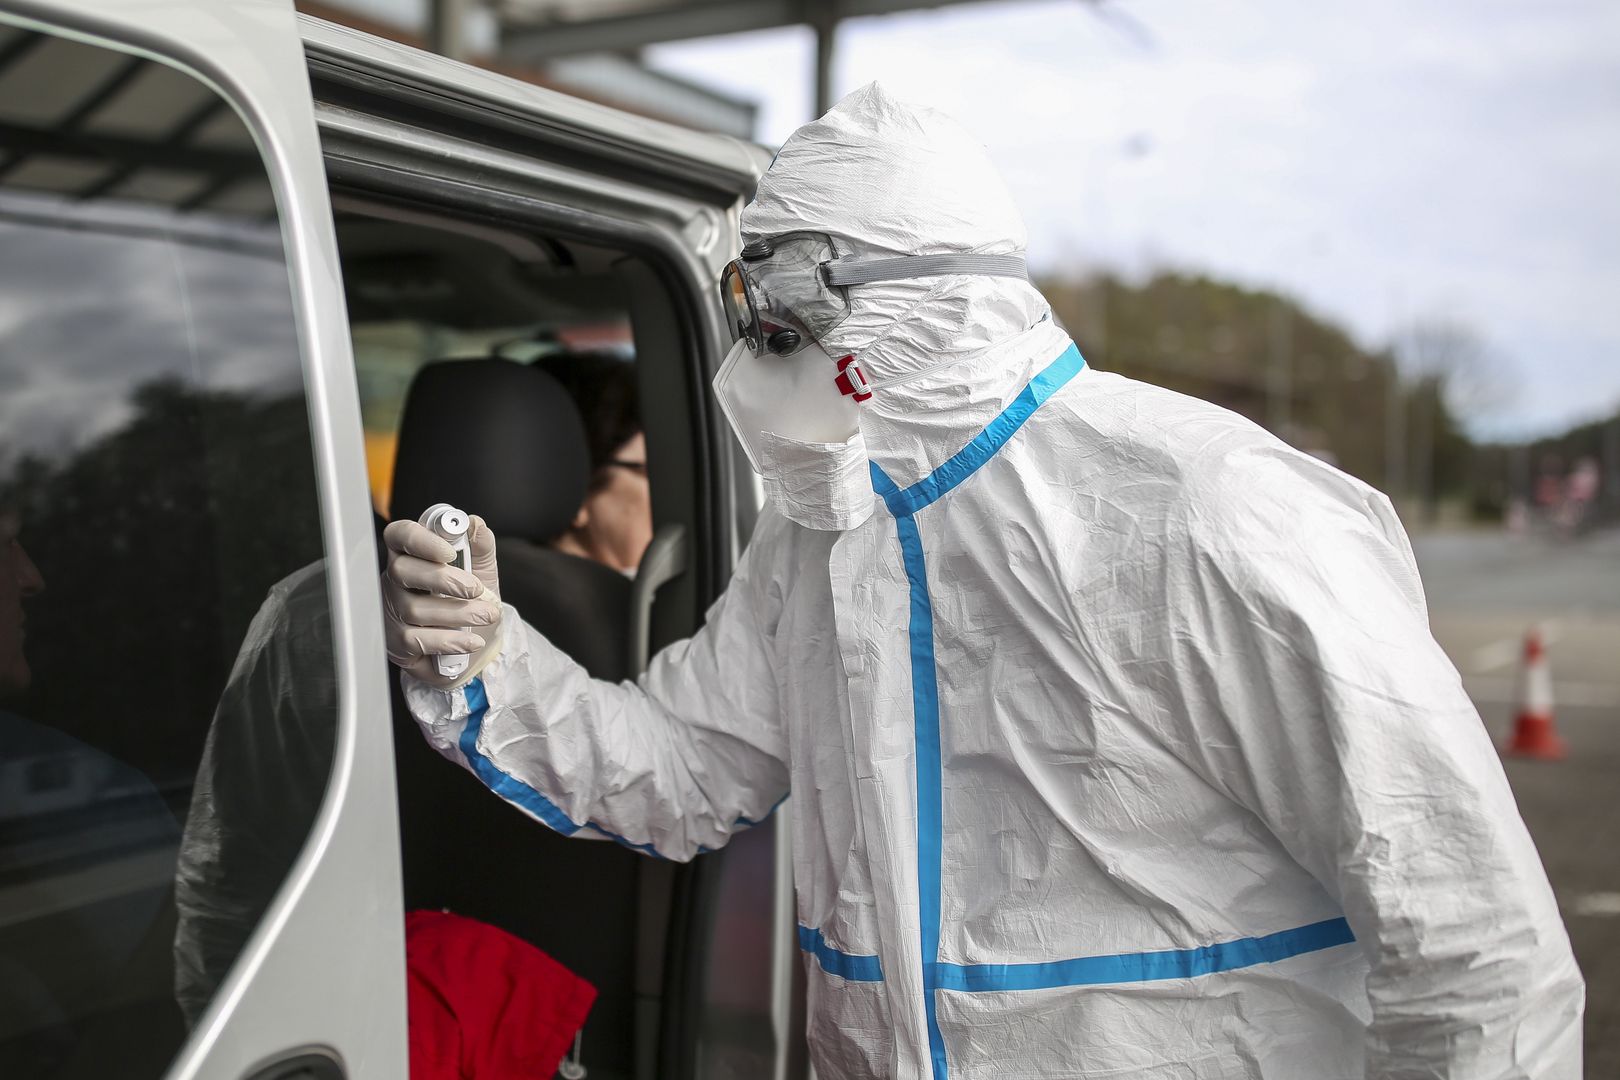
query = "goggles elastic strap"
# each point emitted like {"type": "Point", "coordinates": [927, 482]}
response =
{"type": "Point", "coordinates": [841, 272]}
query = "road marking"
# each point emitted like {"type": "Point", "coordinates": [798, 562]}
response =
{"type": "Point", "coordinates": [1596, 904]}
{"type": "Point", "coordinates": [1496, 689]}
{"type": "Point", "coordinates": [1499, 654]}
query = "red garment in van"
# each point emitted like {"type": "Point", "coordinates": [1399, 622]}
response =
{"type": "Point", "coordinates": [485, 1005]}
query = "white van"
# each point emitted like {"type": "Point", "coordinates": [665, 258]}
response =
{"type": "Point", "coordinates": [230, 239]}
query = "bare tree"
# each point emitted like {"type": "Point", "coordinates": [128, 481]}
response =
{"type": "Point", "coordinates": [1473, 380]}
{"type": "Point", "coordinates": [1453, 375]}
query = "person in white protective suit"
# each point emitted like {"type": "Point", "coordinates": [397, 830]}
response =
{"type": "Point", "coordinates": [1118, 741]}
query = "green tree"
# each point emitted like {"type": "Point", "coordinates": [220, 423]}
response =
{"type": "Point", "coordinates": [1265, 356]}
{"type": "Point", "coordinates": [158, 543]}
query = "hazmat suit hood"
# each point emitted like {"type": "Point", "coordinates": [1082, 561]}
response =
{"type": "Point", "coordinates": [885, 178]}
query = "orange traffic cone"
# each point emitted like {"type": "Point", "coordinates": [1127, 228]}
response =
{"type": "Point", "coordinates": [1534, 734]}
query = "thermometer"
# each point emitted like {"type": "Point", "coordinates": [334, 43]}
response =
{"type": "Point", "coordinates": [451, 526]}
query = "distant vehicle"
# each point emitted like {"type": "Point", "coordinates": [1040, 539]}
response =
{"type": "Point", "coordinates": [229, 237]}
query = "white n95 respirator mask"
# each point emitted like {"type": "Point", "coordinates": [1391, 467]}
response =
{"type": "Point", "coordinates": [801, 432]}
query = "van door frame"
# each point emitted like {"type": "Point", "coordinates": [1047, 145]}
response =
{"type": "Point", "coordinates": [375, 156]}
{"type": "Point", "coordinates": [364, 157]}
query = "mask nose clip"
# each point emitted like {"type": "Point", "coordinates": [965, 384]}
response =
{"type": "Point", "coordinates": [851, 380]}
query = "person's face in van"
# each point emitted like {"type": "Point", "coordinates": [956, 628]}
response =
{"type": "Point", "coordinates": [19, 578]}
{"type": "Point", "coordinates": [614, 524]}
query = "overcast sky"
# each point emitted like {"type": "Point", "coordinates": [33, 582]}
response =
{"type": "Point", "coordinates": [1384, 160]}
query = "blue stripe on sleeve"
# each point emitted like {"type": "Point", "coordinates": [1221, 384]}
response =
{"type": "Point", "coordinates": [516, 791]}
{"type": "Point", "coordinates": [506, 786]}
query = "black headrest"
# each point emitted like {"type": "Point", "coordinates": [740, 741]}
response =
{"type": "Point", "coordinates": [496, 438]}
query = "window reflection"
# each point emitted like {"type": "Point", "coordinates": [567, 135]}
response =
{"type": "Point", "coordinates": [156, 487]}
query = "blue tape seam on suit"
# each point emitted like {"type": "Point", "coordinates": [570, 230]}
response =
{"type": "Point", "coordinates": [518, 793]}
{"type": "Point", "coordinates": [930, 773]}
{"type": "Point", "coordinates": [1125, 967]}
{"type": "Point", "coordinates": [1148, 966]}
{"type": "Point", "coordinates": [965, 462]}
{"type": "Point", "coordinates": [835, 962]}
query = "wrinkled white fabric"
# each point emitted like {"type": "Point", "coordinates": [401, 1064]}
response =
{"type": "Point", "coordinates": [818, 485]}
{"type": "Point", "coordinates": [794, 397]}
{"type": "Point", "coordinates": [1105, 731]}
{"type": "Point", "coordinates": [259, 784]}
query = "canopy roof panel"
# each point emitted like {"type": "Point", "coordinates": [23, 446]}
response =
{"type": "Point", "coordinates": [541, 29]}
{"type": "Point", "coordinates": [86, 123]}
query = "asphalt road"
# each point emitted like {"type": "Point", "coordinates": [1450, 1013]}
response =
{"type": "Point", "coordinates": [1485, 591]}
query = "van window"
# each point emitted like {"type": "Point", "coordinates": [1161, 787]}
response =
{"type": "Point", "coordinates": [423, 289]}
{"type": "Point", "coordinates": [159, 534]}
{"type": "Point", "coordinates": [529, 322]}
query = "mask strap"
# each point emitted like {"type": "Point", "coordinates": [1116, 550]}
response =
{"type": "Point", "coordinates": [866, 271]}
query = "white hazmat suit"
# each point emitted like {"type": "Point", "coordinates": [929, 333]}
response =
{"type": "Point", "coordinates": [1118, 742]}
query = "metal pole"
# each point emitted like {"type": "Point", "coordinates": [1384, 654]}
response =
{"type": "Point", "coordinates": [824, 17]}
{"type": "Point", "coordinates": [1394, 434]}
{"type": "Point", "coordinates": [1611, 458]}
{"type": "Point", "coordinates": [447, 27]}
{"type": "Point", "coordinates": [1520, 484]}
{"type": "Point", "coordinates": [1097, 291]}
{"type": "Point", "coordinates": [1425, 405]}
{"type": "Point", "coordinates": [1280, 377]}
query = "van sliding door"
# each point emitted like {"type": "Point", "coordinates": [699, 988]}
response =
{"type": "Point", "coordinates": [198, 848]}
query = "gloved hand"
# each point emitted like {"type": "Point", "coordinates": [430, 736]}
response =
{"type": "Point", "coordinates": [428, 604]}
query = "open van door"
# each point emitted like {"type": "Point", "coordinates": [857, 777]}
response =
{"type": "Point", "coordinates": [199, 871]}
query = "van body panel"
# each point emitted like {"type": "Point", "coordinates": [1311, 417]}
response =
{"type": "Point", "coordinates": [324, 969]}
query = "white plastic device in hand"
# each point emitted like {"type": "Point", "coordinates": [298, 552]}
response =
{"type": "Point", "coordinates": [452, 526]}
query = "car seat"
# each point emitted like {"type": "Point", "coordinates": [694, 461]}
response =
{"type": "Point", "coordinates": [504, 440]}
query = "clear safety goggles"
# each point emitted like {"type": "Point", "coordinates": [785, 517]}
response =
{"type": "Point", "coordinates": [786, 291]}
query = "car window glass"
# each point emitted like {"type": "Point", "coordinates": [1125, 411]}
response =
{"type": "Point", "coordinates": [423, 289]}
{"type": "Point", "coordinates": [388, 352]}
{"type": "Point", "coordinates": [167, 690]}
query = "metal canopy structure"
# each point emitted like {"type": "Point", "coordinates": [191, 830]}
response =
{"type": "Point", "coordinates": [536, 31]}
{"type": "Point", "coordinates": [85, 123]}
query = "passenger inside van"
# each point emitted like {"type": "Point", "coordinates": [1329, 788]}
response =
{"type": "Point", "coordinates": [614, 522]}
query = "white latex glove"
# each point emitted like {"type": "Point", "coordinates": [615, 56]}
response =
{"type": "Point", "coordinates": [428, 605]}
